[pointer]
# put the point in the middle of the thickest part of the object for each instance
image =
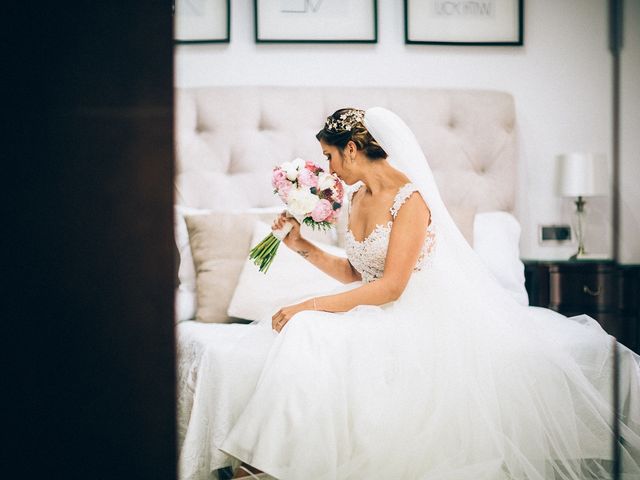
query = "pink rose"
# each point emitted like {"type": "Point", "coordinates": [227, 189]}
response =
{"type": "Point", "coordinates": [283, 190]}
{"type": "Point", "coordinates": [322, 211]}
{"type": "Point", "coordinates": [339, 191]}
{"type": "Point", "coordinates": [309, 165]}
{"type": "Point", "coordinates": [278, 178]}
{"type": "Point", "coordinates": [334, 216]}
{"type": "Point", "coordinates": [307, 178]}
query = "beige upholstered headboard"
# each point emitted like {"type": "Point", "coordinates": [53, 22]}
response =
{"type": "Point", "coordinates": [229, 138]}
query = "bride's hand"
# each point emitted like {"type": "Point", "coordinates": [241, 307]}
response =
{"type": "Point", "coordinates": [294, 235]}
{"type": "Point", "coordinates": [282, 316]}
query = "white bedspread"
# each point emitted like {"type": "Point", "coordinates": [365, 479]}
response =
{"type": "Point", "coordinates": [205, 352]}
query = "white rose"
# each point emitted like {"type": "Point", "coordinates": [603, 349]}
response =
{"type": "Point", "coordinates": [325, 180]}
{"type": "Point", "coordinates": [298, 163]}
{"type": "Point", "coordinates": [301, 202]}
{"type": "Point", "coordinates": [290, 170]}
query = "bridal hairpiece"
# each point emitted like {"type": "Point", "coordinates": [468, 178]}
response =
{"type": "Point", "coordinates": [345, 122]}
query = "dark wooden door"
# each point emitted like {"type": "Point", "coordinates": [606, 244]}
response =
{"type": "Point", "coordinates": [88, 310]}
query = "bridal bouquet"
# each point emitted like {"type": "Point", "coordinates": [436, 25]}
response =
{"type": "Point", "coordinates": [313, 197]}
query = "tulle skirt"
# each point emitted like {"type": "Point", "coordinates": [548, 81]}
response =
{"type": "Point", "coordinates": [427, 387]}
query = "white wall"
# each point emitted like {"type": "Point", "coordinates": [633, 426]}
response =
{"type": "Point", "coordinates": [560, 78]}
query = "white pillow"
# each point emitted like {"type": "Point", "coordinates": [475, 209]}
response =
{"type": "Point", "coordinates": [496, 237]}
{"type": "Point", "coordinates": [289, 280]}
{"type": "Point", "coordinates": [185, 302]}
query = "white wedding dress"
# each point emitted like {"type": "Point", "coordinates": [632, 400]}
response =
{"type": "Point", "coordinates": [452, 381]}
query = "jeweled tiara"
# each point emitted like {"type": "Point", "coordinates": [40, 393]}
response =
{"type": "Point", "coordinates": [345, 122]}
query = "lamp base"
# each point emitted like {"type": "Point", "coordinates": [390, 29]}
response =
{"type": "Point", "coordinates": [580, 253]}
{"type": "Point", "coordinates": [589, 256]}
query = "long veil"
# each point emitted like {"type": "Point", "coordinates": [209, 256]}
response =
{"type": "Point", "coordinates": [515, 392]}
{"type": "Point", "coordinates": [401, 145]}
{"type": "Point", "coordinates": [405, 153]}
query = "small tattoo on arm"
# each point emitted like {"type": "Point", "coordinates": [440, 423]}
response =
{"type": "Point", "coordinates": [303, 253]}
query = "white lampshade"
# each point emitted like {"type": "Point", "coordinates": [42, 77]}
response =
{"type": "Point", "coordinates": [582, 175]}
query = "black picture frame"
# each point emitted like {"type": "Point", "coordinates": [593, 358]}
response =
{"type": "Point", "coordinates": [261, 37]}
{"type": "Point", "coordinates": [414, 37]}
{"type": "Point", "coordinates": [181, 35]}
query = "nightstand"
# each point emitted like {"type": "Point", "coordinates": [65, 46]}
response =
{"type": "Point", "coordinates": [604, 290]}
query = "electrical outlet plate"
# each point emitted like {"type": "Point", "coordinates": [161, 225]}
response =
{"type": "Point", "coordinates": [554, 235]}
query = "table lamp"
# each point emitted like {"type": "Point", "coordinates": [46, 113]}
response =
{"type": "Point", "coordinates": [582, 175]}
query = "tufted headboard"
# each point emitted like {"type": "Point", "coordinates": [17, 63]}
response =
{"type": "Point", "coordinates": [229, 138]}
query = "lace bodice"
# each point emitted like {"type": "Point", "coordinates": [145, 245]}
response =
{"type": "Point", "coordinates": [368, 256]}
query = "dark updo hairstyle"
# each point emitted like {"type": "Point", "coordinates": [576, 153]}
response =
{"type": "Point", "coordinates": [345, 125]}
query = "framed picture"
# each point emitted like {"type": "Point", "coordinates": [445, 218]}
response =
{"type": "Point", "coordinates": [316, 21]}
{"type": "Point", "coordinates": [464, 22]}
{"type": "Point", "coordinates": [201, 21]}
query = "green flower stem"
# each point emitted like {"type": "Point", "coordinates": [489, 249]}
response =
{"type": "Point", "coordinates": [270, 248]}
{"type": "Point", "coordinates": [269, 256]}
{"type": "Point", "coordinates": [264, 252]}
{"type": "Point", "coordinates": [268, 253]}
{"type": "Point", "coordinates": [263, 245]}
{"type": "Point", "coordinates": [258, 249]}
{"type": "Point", "coordinates": [266, 268]}
{"type": "Point", "coordinates": [269, 262]}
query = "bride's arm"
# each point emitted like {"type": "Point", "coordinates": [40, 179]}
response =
{"type": "Point", "coordinates": [337, 267]}
{"type": "Point", "coordinates": [405, 245]}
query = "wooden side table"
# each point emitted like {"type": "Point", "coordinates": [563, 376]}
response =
{"type": "Point", "coordinates": [604, 290]}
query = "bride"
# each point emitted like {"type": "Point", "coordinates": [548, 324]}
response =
{"type": "Point", "coordinates": [421, 366]}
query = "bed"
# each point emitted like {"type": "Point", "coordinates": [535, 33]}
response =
{"type": "Point", "coordinates": [227, 141]}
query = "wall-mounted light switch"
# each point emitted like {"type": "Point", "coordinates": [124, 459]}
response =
{"type": "Point", "coordinates": [554, 234]}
